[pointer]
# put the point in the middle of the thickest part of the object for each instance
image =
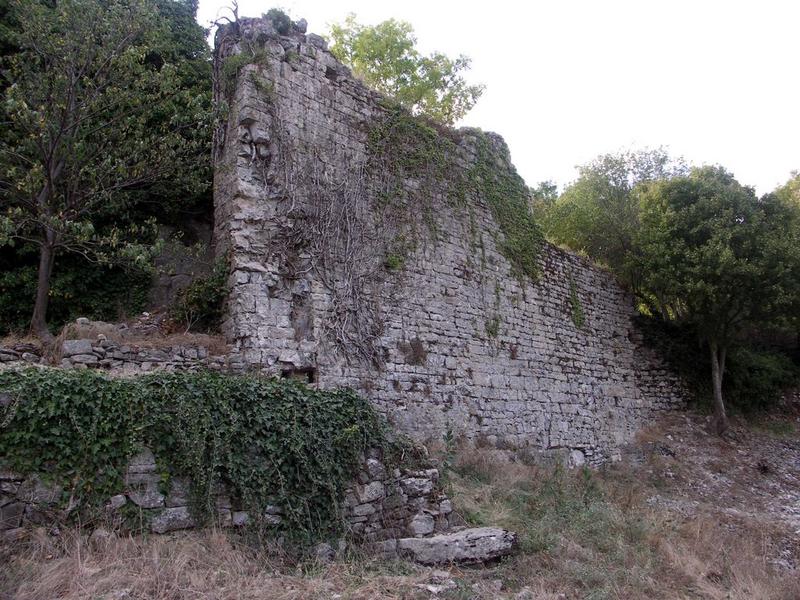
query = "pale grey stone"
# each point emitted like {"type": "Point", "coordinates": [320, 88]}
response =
{"type": "Point", "coordinates": [422, 524]}
{"type": "Point", "coordinates": [239, 518]}
{"type": "Point", "coordinates": [34, 490]}
{"type": "Point", "coordinates": [577, 458]}
{"type": "Point", "coordinates": [417, 486]}
{"type": "Point", "coordinates": [370, 492]}
{"type": "Point", "coordinates": [172, 519]}
{"type": "Point", "coordinates": [118, 501]}
{"type": "Point", "coordinates": [324, 552]}
{"type": "Point", "coordinates": [317, 41]}
{"type": "Point", "coordinates": [143, 462]}
{"type": "Point", "coordinates": [143, 490]}
{"type": "Point", "coordinates": [83, 359]}
{"type": "Point", "coordinates": [475, 545]}
{"type": "Point", "coordinates": [178, 493]}
{"type": "Point", "coordinates": [76, 347]}
{"type": "Point", "coordinates": [375, 469]}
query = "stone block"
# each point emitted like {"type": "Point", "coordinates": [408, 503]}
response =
{"type": "Point", "coordinates": [76, 347]}
{"type": "Point", "coordinates": [36, 491]}
{"type": "Point", "coordinates": [370, 492]}
{"type": "Point", "coordinates": [421, 525]}
{"type": "Point", "coordinates": [172, 519]}
{"type": "Point", "coordinates": [476, 545]}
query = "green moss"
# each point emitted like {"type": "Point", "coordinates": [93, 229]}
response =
{"type": "Point", "coordinates": [394, 262]}
{"type": "Point", "coordinates": [493, 326]}
{"type": "Point", "coordinates": [507, 196]}
{"type": "Point", "coordinates": [403, 147]}
{"type": "Point", "coordinates": [576, 308]}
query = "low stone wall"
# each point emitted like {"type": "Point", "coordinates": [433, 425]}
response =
{"type": "Point", "coordinates": [383, 504]}
{"type": "Point", "coordinates": [123, 358]}
{"type": "Point", "coordinates": [133, 358]}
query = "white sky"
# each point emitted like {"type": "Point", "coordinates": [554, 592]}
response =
{"type": "Point", "coordinates": [715, 81]}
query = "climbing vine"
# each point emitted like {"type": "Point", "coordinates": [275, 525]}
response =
{"type": "Point", "coordinates": [507, 196]}
{"type": "Point", "coordinates": [576, 308]}
{"type": "Point", "coordinates": [408, 151]}
{"type": "Point", "coordinates": [269, 441]}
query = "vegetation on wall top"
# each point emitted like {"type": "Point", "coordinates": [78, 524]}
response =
{"type": "Point", "coordinates": [405, 147]}
{"type": "Point", "coordinates": [385, 56]}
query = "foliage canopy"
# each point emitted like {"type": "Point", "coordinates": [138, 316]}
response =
{"type": "Point", "coordinates": [714, 255]}
{"type": "Point", "coordinates": [103, 105]}
{"type": "Point", "coordinates": [385, 56]}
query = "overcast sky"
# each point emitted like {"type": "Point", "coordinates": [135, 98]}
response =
{"type": "Point", "coordinates": [716, 82]}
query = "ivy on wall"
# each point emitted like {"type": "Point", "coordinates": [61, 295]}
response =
{"type": "Point", "coordinates": [269, 441]}
{"type": "Point", "coordinates": [403, 147]}
{"type": "Point", "coordinates": [576, 308]}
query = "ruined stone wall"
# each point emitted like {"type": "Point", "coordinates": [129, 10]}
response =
{"type": "Point", "coordinates": [456, 340]}
{"type": "Point", "coordinates": [384, 504]}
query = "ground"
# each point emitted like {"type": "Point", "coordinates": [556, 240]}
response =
{"type": "Point", "coordinates": [683, 515]}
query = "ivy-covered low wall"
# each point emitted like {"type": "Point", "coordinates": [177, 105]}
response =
{"type": "Point", "coordinates": [174, 450]}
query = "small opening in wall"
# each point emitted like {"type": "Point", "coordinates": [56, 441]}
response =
{"type": "Point", "coordinates": [331, 73]}
{"type": "Point", "coordinates": [306, 375]}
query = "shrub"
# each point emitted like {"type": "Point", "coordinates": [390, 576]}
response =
{"type": "Point", "coordinates": [200, 306]}
{"type": "Point", "coordinates": [754, 377]}
{"type": "Point", "coordinates": [78, 289]}
{"type": "Point", "coordinates": [279, 19]}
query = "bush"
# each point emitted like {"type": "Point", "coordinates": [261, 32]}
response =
{"type": "Point", "coordinates": [754, 377]}
{"type": "Point", "coordinates": [270, 441]}
{"type": "Point", "coordinates": [279, 19]}
{"type": "Point", "coordinates": [201, 305]}
{"type": "Point", "coordinates": [79, 289]}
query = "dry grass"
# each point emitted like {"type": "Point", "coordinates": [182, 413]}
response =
{"type": "Point", "coordinates": [583, 535]}
{"type": "Point", "coordinates": [14, 339]}
{"type": "Point", "coordinates": [207, 565]}
{"type": "Point", "coordinates": [154, 339]}
{"type": "Point", "coordinates": [593, 535]}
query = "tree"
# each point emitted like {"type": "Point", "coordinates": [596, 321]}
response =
{"type": "Point", "coordinates": [96, 116]}
{"type": "Point", "coordinates": [719, 258]}
{"type": "Point", "coordinates": [542, 199]}
{"type": "Point", "coordinates": [386, 58]}
{"type": "Point", "coordinates": [598, 213]}
{"type": "Point", "coordinates": [789, 192]}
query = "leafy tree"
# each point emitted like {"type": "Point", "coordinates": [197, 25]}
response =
{"type": "Point", "coordinates": [543, 198]}
{"type": "Point", "coordinates": [790, 191]}
{"type": "Point", "coordinates": [598, 213]}
{"type": "Point", "coordinates": [719, 259]}
{"type": "Point", "coordinates": [386, 58]}
{"type": "Point", "coordinates": [97, 120]}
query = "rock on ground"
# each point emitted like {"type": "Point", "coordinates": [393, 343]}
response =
{"type": "Point", "coordinates": [479, 544]}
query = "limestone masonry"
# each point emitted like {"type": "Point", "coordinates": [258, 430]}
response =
{"type": "Point", "coordinates": [383, 508]}
{"type": "Point", "coordinates": [425, 315]}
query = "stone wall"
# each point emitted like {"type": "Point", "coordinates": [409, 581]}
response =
{"type": "Point", "coordinates": [459, 341]}
{"type": "Point", "coordinates": [122, 358]}
{"type": "Point", "coordinates": [383, 504]}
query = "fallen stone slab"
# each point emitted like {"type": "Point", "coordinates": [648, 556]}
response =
{"type": "Point", "coordinates": [476, 545]}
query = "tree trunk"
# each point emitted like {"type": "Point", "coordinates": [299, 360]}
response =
{"type": "Point", "coordinates": [720, 422]}
{"type": "Point", "coordinates": [46, 259]}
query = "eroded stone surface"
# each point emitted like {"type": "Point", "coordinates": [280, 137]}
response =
{"type": "Point", "coordinates": [475, 545]}
{"type": "Point", "coordinates": [534, 380]}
